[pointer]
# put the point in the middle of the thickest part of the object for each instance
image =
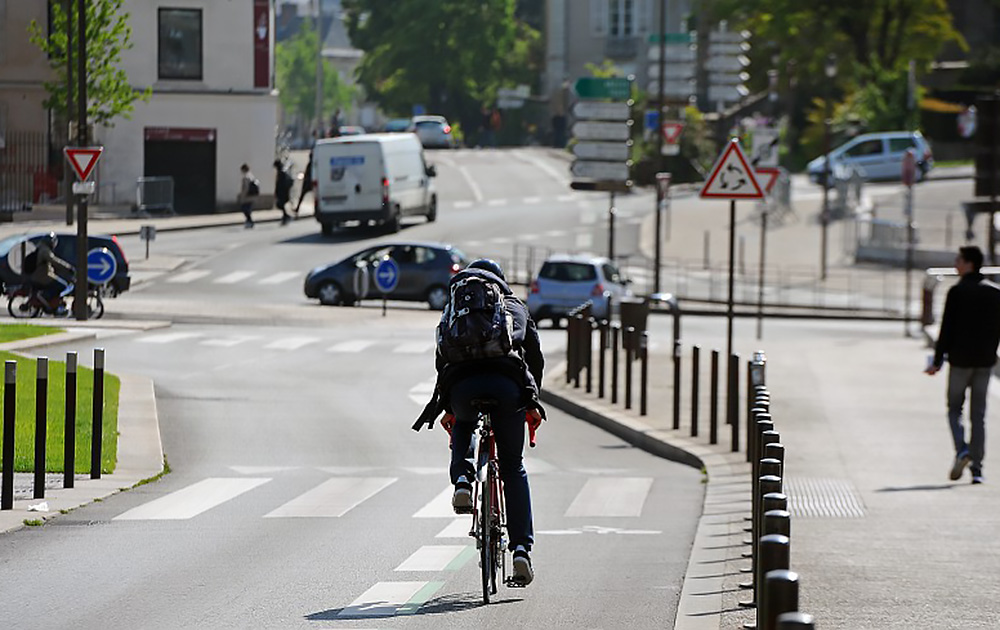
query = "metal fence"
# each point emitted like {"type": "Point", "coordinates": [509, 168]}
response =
{"type": "Point", "coordinates": [154, 194]}
{"type": "Point", "coordinates": [24, 177]}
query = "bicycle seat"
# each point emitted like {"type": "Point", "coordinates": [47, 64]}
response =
{"type": "Point", "coordinates": [482, 405]}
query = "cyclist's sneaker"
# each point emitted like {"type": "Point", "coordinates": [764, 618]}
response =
{"type": "Point", "coordinates": [961, 461]}
{"type": "Point", "coordinates": [461, 501]}
{"type": "Point", "coordinates": [977, 477]}
{"type": "Point", "coordinates": [523, 575]}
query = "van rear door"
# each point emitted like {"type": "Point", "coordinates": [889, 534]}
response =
{"type": "Point", "coordinates": [349, 176]}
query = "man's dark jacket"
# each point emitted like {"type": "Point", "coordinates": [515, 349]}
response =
{"type": "Point", "coordinates": [527, 370]}
{"type": "Point", "coordinates": [970, 326]}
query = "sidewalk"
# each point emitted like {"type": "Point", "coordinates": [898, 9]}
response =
{"type": "Point", "coordinates": [140, 453]}
{"type": "Point", "coordinates": [881, 539]}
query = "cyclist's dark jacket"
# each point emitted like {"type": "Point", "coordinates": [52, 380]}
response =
{"type": "Point", "coordinates": [528, 371]}
{"type": "Point", "coordinates": [970, 326]}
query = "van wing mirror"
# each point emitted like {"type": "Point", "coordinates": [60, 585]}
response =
{"type": "Point", "coordinates": [431, 171]}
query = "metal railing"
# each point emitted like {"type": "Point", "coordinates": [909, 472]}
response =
{"type": "Point", "coordinates": [24, 178]}
{"type": "Point", "coordinates": [154, 194]}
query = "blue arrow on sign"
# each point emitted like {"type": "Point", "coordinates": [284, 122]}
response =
{"type": "Point", "coordinates": [387, 275]}
{"type": "Point", "coordinates": [101, 265]}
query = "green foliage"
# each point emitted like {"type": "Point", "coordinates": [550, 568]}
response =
{"type": "Point", "coordinates": [16, 332]}
{"type": "Point", "coordinates": [295, 74]}
{"type": "Point", "coordinates": [109, 93]}
{"type": "Point", "coordinates": [606, 70]}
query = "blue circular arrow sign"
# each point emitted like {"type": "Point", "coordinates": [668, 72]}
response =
{"type": "Point", "coordinates": [387, 275]}
{"type": "Point", "coordinates": [101, 265]}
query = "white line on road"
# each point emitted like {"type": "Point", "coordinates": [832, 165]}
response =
{"type": "Point", "coordinates": [438, 507]}
{"type": "Point", "coordinates": [333, 498]}
{"type": "Point", "coordinates": [532, 200]}
{"type": "Point", "coordinates": [234, 277]}
{"type": "Point", "coordinates": [437, 558]}
{"type": "Point", "coordinates": [351, 346]}
{"type": "Point", "coordinates": [193, 500]}
{"type": "Point", "coordinates": [229, 342]}
{"type": "Point", "coordinates": [611, 496]}
{"type": "Point", "coordinates": [458, 528]}
{"type": "Point", "coordinates": [188, 276]}
{"type": "Point", "coordinates": [585, 240]}
{"type": "Point", "coordinates": [386, 599]}
{"type": "Point", "coordinates": [415, 347]}
{"type": "Point", "coordinates": [497, 202]}
{"type": "Point", "coordinates": [561, 175]}
{"type": "Point", "coordinates": [463, 204]}
{"type": "Point", "coordinates": [282, 276]}
{"type": "Point", "coordinates": [476, 193]}
{"type": "Point", "coordinates": [168, 337]}
{"type": "Point", "coordinates": [290, 343]}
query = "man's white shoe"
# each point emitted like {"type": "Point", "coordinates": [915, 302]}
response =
{"type": "Point", "coordinates": [523, 574]}
{"type": "Point", "coordinates": [461, 501]}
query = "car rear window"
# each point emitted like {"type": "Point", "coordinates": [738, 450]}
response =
{"type": "Point", "coordinates": [429, 124]}
{"type": "Point", "coordinates": [568, 272]}
{"type": "Point", "coordinates": [898, 145]}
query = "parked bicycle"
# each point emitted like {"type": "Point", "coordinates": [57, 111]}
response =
{"type": "Point", "coordinates": [26, 301]}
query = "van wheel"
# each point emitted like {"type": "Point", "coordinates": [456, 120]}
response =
{"type": "Point", "coordinates": [395, 223]}
{"type": "Point", "coordinates": [432, 210]}
{"type": "Point", "coordinates": [437, 297]}
{"type": "Point", "coordinates": [327, 229]}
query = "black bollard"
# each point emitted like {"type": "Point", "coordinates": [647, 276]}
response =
{"type": "Point", "coordinates": [777, 522]}
{"type": "Point", "coordinates": [629, 356]}
{"type": "Point", "coordinates": [695, 381]}
{"type": "Point", "coordinates": [69, 443]}
{"type": "Point", "coordinates": [767, 484]}
{"type": "Point", "coordinates": [677, 385]}
{"type": "Point", "coordinates": [733, 402]}
{"type": "Point", "coordinates": [570, 350]}
{"type": "Point", "coordinates": [41, 424]}
{"type": "Point", "coordinates": [615, 330]}
{"type": "Point", "coordinates": [588, 339]}
{"type": "Point", "coordinates": [756, 414]}
{"type": "Point", "coordinates": [9, 416]}
{"type": "Point", "coordinates": [601, 358]}
{"type": "Point", "coordinates": [763, 424]}
{"type": "Point", "coordinates": [774, 555]}
{"type": "Point", "coordinates": [776, 450]}
{"type": "Point", "coordinates": [781, 595]}
{"type": "Point", "coordinates": [97, 431]}
{"type": "Point", "coordinates": [796, 621]}
{"type": "Point", "coordinates": [775, 501]}
{"type": "Point", "coordinates": [577, 326]}
{"type": "Point", "coordinates": [644, 374]}
{"type": "Point", "coordinates": [713, 399]}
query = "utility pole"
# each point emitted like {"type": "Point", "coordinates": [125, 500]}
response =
{"type": "Point", "coordinates": [659, 143]}
{"type": "Point", "coordinates": [319, 69]}
{"type": "Point", "coordinates": [82, 244]}
{"type": "Point", "coordinates": [68, 189]}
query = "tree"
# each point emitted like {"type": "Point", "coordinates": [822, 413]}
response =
{"type": "Point", "coordinates": [295, 73]}
{"type": "Point", "coordinates": [449, 55]}
{"type": "Point", "coordinates": [109, 93]}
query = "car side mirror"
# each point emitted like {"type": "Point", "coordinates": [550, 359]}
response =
{"type": "Point", "coordinates": [432, 171]}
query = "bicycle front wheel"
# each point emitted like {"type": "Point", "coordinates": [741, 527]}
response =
{"type": "Point", "coordinates": [486, 542]}
{"type": "Point", "coordinates": [95, 306]}
{"type": "Point", "coordinates": [22, 307]}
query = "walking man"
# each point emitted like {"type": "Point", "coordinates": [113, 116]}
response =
{"type": "Point", "coordinates": [970, 333]}
{"type": "Point", "coordinates": [249, 188]}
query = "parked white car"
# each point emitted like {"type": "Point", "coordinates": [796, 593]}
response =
{"type": "Point", "coordinates": [877, 156]}
{"type": "Point", "coordinates": [566, 282]}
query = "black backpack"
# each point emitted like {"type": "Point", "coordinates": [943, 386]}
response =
{"type": "Point", "coordinates": [31, 262]}
{"type": "Point", "coordinates": [254, 188]}
{"type": "Point", "coordinates": [475, 323]}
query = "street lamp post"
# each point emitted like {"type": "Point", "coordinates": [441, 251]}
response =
{"type": "Point", "coordinates": [830, 69]}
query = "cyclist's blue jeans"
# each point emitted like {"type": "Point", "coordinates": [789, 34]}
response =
{"type": "Point", "coordinates": [508, 427]}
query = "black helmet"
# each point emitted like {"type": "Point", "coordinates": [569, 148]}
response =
{"type": "Point", "coordinates": [488, 265]}
{"type": "Point", "coordinates": [52, 239]}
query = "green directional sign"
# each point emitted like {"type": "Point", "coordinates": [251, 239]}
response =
{"type": "Point", "coordinates": [673, 38]}
{"type": "Point", "coordinates": [614, 88]}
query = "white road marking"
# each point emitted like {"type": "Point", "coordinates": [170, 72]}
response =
{"type": "Point", "coordinates": [611, 496]}
{"type": "Point", "coordinates": [415, 347]}
{"type": "Point", "coordinates": [421, 392]}
{"type": "Point", "coordinates": [193, 500]}
{"type": "Point", "coordinates": [229, 342]}
{"type": "Point", "coordinates": [532, 200]}
{"type": "Point", "coordinates": [168, 337]}
{"type": "Point", "coordinates": [333, 498]}
{"type": "Point", "coordinates": [458, 528]}
{"type": "Point", "coordinates": [426, 470]}
{"type": "Point", "coordinates": [585, 240]}
{"type": "Point", "coordinates": [594, 529]}
{"type": "Point", "coordinates": [434, 558]}
{"type": "Point", "coordinates": [188, 276]}
{"type": "Point", "coordinates": [561, 175]}
{"type": "Point", "coordinates": [588, 217]}
{"type": "Point", "coordinates": [261, 470]}
{"type": "Point", "coordinates": [500, 240]}
{"type": "Point", "coordinates": [351, 346]}
{"type": "Point", "coordinates": [477, 194]}
{"type": "Point", "coordinates": [554, 233]}
{"type": "Point", "coordinates": [497, 202]}
{"type": "Point", "coordinates": [234, 277]}
{"type": "Point", "coordinates": [535, 466]}
{"type": "Point", "coordinates": [278, 278]}
{"type": "Point", "coordinates": [566, 198]}
{"type": "Point", "coordinates": [386, 599]}
{"type": "Point", "coordinates": [348, 470]}
{"type": "Point", "coordinates": [438, 507]}
{"type": "Point", "coordinates": [290, 343]}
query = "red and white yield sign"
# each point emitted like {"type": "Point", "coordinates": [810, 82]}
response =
{"type": "Point", "coordinates": [672, 130]}
{"type": "Point", "coordinates": [768, 176]}
{"type": "Point", "coordinates": [83, 160]}
{"type": "Point", "coordinates": [732, 177]}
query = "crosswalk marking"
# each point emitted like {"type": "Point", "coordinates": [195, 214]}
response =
{"type": "Point", "coordinates": [458, 528]}
{"type": "Point", "coordinates": [532, 200]}
{"type": "Point", "coordinates": [280, 277]}
{"type": "Point", "coordinates": [386, 599]}
{"type": "Point", "coordinates": [351, 346]}
{"type": "Point", "coordinates": [229, 342]}
{"type": "Point", "coordinates": [438, 507]}
{"type": "Point", "coordinates": [415, 347]}
{"type": "Point", "coordinates": [333, 498]}
{"type": "Point", "coordinates": [188, 276]}
{"type": "Point", "coordinates": [261, 470]}
{"type": "Point", "coordinates": [234, 277]}
{"type": "Point", "coordinates": [438, 558]}
{"type": "Point", "coordinates": [290, 343]}
{"type": "Point", "coordinates": [193, 500]}
{"type": "Point", "coordinates": [463, 204]}
{"type": "Point", "coordinates": [611, 496]}
{"type": "Point", "coordinates": [497, 202]}
{"type": "Point", "coordinates": [168, 337]}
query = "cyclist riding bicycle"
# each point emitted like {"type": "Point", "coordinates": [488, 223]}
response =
{"type": "Point", "coordinates": [513, 381]}
{"type": "Point", "coordinates": [50, 274]}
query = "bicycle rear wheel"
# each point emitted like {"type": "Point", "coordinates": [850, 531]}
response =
{"type": "Point", "coordinates": [22, 307]}
{"type": "Point", "coordinates": [486, 543]}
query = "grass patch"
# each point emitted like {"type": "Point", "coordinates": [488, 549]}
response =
{"type": "Point", "coordinates": [17, 332]}
{"type": "Point", "coordinates": [33, 522]}
{"type": "Point", "coordinates": [947, 163]}
{"type": "Point", "coordinates": [24, 433]}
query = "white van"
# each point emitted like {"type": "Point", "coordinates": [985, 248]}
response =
{"type": "Point", "coordinates": [379, 177]}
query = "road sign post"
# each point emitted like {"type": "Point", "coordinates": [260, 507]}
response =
{"type": "Point", "coordinates": [386, 279]}
{"type": "Point", "coordinates": [662, 204]}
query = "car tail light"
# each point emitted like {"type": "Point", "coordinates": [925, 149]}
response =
{"type": "Point", "coordinates": [534, 286]}
{"type": "Point", "coordinates": [385, 191]}
{"type": "Point", "coordinates": [114, 239]}
{"type": "Point", "coordinates": [455, 268]}
{"type": "Point", "coordinates": [598, 290]}
{"type": "Point", "coordinates": [315, 184]}
{"type": "Point", "coordinates": [447, 128]}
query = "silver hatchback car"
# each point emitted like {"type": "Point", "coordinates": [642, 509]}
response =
{"type": "Point", "coordinates": [566, 282]}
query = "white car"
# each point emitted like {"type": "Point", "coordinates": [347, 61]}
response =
{"type": "Point", "coordinates": [877, 156]}
{"type": "Point", "coordinates": [433, 131]}
{"type": "Point", "coordinates": [566, 282]}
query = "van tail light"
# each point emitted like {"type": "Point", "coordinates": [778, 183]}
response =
{"type": "Point", "coordinates": [534, 286]}
{"type": "Point", "coordinates": [120, 248]}
{"type": "Point", "coordinates": [598, 290]}
{"type": "Point", "coordinates": [385, 191]}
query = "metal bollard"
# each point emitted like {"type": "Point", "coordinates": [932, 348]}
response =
{"type": "Point", "coordinates": [734, 401]}
{"type": "Point", "coordinates": [777, 522]}
{"type": "Point", "coordinates": [69, 443]}
{"type": "Point", "coordinates": [601, 364]}
{"type": "Point", "coordinates": [629, 356]}
{"type": "Point", "coordinates": [795, 621]}
{"type": "Point", "coordinates": [97, 431]}
{"type": "Point", "coordinates": [775, 501]}
{"type": "Point", "coordinates": [41, 424]}
{"type": "Point", "coordinates": [773, 555]}
{"type": "Point", "coordinates": [749, 410]}
{"type": "Point", "coordinates": [644, 374]}
{"type": "Point", "coordinates": [9, 416]}
{"type": "Point", "coordinates": [695, 380]}
{"type": "Point", "coordinates": [677, 385]}
{"type": "Point", "coordinates": [713, 397]}
{"type": "Point", "coordinates": [781, 595]}
{"type": "Point", "coordinates": [756, 414]}
{"type": "Point", "coordinates": [766, 468]}
{"type": "Point", "coordinates": [768, 484]}
{"type": "Point", "coordinates": [776, 450]}
{"type": "Point", "coordinates": [590, 354]}
{"type": "Point", "coordinates": [763, 424]}
{"type": "Point", "coordinates": [570, 350]}
{"type": "Point", "coordinates": [615, 330]}
{"type": "Point", "coordinates": [577, 326]}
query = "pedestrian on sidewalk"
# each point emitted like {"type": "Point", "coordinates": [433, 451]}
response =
{"type": "Point", "coordinates": [282, 190]}
{"type": "Point", "coordinates": [970, 334]}
{"type": "Point", "coordinates": [249, 189]}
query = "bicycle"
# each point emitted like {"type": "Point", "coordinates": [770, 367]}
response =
{"type": "Point", "coordinates": [26, 301]}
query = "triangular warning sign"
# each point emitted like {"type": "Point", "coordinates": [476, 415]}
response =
{"type": "Point", "coordinates": [83, 159]}
{"type": "Point", "coordinates": [732, 177]}
{"type": "Point", "coordinates": [768, 175]}
{"type": "Point", "coordinates": [672, 131]}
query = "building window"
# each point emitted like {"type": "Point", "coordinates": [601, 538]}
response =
{"type": "Point", "coordinates": [180, 40]}
{"type": "Point", "coordinates": [622, 18]}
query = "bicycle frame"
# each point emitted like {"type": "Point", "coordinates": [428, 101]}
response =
{"type": "Point", "coordinates": [489, 532]}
